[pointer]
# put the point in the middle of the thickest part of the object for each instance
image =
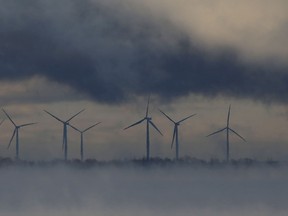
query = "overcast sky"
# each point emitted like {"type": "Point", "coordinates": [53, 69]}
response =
{"type": "Point", "coordinates": [108, 56]}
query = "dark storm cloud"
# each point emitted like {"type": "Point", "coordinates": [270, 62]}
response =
{"type": "Point", "coordinates": [111, 51]}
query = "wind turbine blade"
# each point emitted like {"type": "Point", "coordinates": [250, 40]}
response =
{"type": "Point", "coordinates": [91, 126]}
{"type": "Point", "coordinates": [23, 125]}
{"type": "Point", "coordinates": [53, 116]}
{"type": "Point", "coordinates": [237, 134]}
{"type": "Point", "coordinates": [167, 116]}
{"type": "Point", "coordinates": [228, 117]}
{"type": "Point", "coordinates": [9, 118]}
{"type": "Point", "coordinates": [217, 132]}
{"type": "Point", "coordinates": [11, 138]}
{"type": "Point", "coordinates": [75, 128]}
{"type": "Point", "coordinates": [186, 118]}
{"type": "Point", "coordinates": [147, 109]}
{"type": "Point", "coordinates": [155, 127]}
{"type": "Point", "coordinates": [135, 124]}
{"type": "Point", "coordinates": [2, 121]}
{"type": "Point", "coordinates": [174, 133]}
{"type": "Point", "coordinates": [75, 115]}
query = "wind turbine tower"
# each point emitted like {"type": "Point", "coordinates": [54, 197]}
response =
{"type": "Point", "coordinates": [228, 129]}
{"type": "Point", "coordinates": [2, 122]}
{"type": "Point", "coordinates": [65, 124]}
{"type": "Point", "coordinates": [82, 137]}
{"type": "Point", "coordinates": [148, 123]}
{"type": "Point", "coordinates": [175, 133]}
{"type": "Point", "coordinates": [16, 132]}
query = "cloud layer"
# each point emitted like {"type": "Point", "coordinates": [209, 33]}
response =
{"type": "Point", "coordinates": [110, 50]}
{"type": "Point", "coordinates": [256, 29]}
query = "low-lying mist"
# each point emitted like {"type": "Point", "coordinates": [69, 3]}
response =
{"type": "Point", "coordinates": [143, 190]}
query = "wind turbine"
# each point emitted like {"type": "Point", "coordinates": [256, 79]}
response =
{"type": "Point", "coordinates": [228, 129]}
{"type": "Point", "coordinates": [82, 136]}
{"type": "Point", "coordinates": [65, 124]}
{"type": "Point", "coordinates": [16, 132]}
{"type": "Point", "coordinates": [148, 123]}
{"type": "Point", "coordinates": [175, 133]}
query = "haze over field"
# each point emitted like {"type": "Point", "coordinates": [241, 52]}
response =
{"type": "Point", "coordinates": [257, 191]}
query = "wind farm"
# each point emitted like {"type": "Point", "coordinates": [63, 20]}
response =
{"type": "Point", "coordinates": [148, 123]}
{"type": "Point", "coordinates": [171, 139]}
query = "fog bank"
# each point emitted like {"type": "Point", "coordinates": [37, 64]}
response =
{"type": "Point", "coordinates": [143, 191]}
